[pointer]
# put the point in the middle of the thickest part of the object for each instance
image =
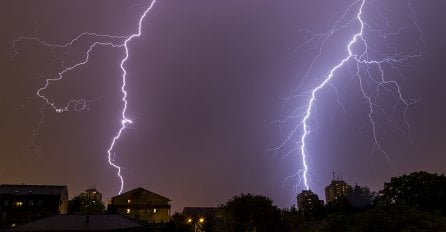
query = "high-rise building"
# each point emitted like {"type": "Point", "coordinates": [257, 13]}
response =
{"type": "Point", "coordinates": [337, 189]}
{"type": "Point", "coordinates": [308, 201]}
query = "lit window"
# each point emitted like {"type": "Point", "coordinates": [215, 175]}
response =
{"type": "Point", "coordinates": [154, 210]}
{"type": "Point", "coordinates": [19, 203]}
{"type": "Point", "coordinates": [128, 210]}
{"type": "Point", "coordinates": [128, 201]}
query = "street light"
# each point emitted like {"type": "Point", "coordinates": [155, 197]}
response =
{"type": "Point", "coordinates": [197, 224]}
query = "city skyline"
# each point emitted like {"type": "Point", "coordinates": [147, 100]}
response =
{"type": "Point", "coordinates": [206, 81]}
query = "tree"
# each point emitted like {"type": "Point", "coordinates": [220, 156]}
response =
{"type": "Point", "coordinates": [397, 218]}
{"type": "Point", "coordinates": [360, 197]}
{"type": "Point", "coordinates": [250, 213]}
{"type": "Point", "coordinates": [414, 202]}
{"type": "Point", "coordinates": [420, 189]}
{"type": "Point", "coordinates": [290, 219]}
{"type": "Point", "coordinates": [88, 202]}
{"type": "Point", "coordinates": [178, 223]}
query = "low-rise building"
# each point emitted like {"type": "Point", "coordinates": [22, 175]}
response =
{"type": "Point", "coordinates": [142, 205]}
{"type": "Point", "coordinates": [23, 203]}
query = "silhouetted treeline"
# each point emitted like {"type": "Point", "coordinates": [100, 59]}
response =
{"type": "Point", "coordinates": [414, 202]}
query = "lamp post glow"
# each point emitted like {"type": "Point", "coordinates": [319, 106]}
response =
{"type": "Point", "coordinates": [197, 223]}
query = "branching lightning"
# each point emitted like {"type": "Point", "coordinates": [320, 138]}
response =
{"type": "Point", "coordinates": [367, 65]}
{"type": "Point", "coordinates": [125, 120]}
{"type": "Point", "coordinates": [81, 104]}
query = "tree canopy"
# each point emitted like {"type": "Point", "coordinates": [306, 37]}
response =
{"type": "Point", "coordinates": [250, 213]}
{"type": "Point", "coordinates": [413, 202]}
{"type": "Point", "coordinates": [419, 189]}
{"type": "Point", "coordinates": [83, 204]}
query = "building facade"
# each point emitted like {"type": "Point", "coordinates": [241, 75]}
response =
{"type": "Point", "coordinates": [308, 201]}
{"type": "Point", "coordinates": [142, 205]}
{"type": "Point", "coordinates": [337, 189]}
{"type": "Point", "coordinates": [24, 203]}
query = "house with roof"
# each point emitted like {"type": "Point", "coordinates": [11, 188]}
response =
{"type": "Point", "coordinates": [23, 203]}
{"type": "Point", "coordinates": [142, 205]}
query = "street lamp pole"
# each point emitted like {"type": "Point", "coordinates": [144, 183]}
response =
{"type": "Point", "coordinates": [197, 224]}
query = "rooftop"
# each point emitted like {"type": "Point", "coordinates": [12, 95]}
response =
{"type": "Point", "coordinates": [107, 222]}
{"type": "Point", "coordinates": [24, 189]}
{"type": "Point", "coordinates": [138, 192]}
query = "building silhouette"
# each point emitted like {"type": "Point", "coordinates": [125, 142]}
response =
{"type": "Point", "coordinates": [337, 189]}
{"type": "Point", "coordinates": [24, 203]}
{"type": "Point", "coordinates": [308, 201]}
{"type": "Point", "coordinates": [78, 223]}
{"type": "Point", "coordinates": [141, 204]}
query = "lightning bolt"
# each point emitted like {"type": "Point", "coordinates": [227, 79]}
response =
{"type": "Point", "coordinates": [365, 66]}
{"type": "Point", "coordinates": [125, 120]}
{"type": "Point", "coordinates": [81, 104]}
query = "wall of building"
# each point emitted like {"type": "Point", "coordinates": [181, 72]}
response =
{"type": "Point", "coordinates": [141, 205]}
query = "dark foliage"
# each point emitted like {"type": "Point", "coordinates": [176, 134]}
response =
{"type": "Point", "coordinates": [357, 200]}
{"type": "Point", "coordinates": [409, 203]}
{"type": "Point", "coordinates": [178, 223]}
{"type": "Point", "coordinates": [250, 213]}
{"type": "Point", "coordinates": [419, 189]}
{"type": "Point", "coordinates": [84, 205]}
{"type": "Point", "coordinates": [360, 197]}
{"type": "Point", "coordinates": [414, 202]}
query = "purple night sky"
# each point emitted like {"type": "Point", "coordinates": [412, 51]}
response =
{"type": "Point", "coordinates": [205, 80]}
